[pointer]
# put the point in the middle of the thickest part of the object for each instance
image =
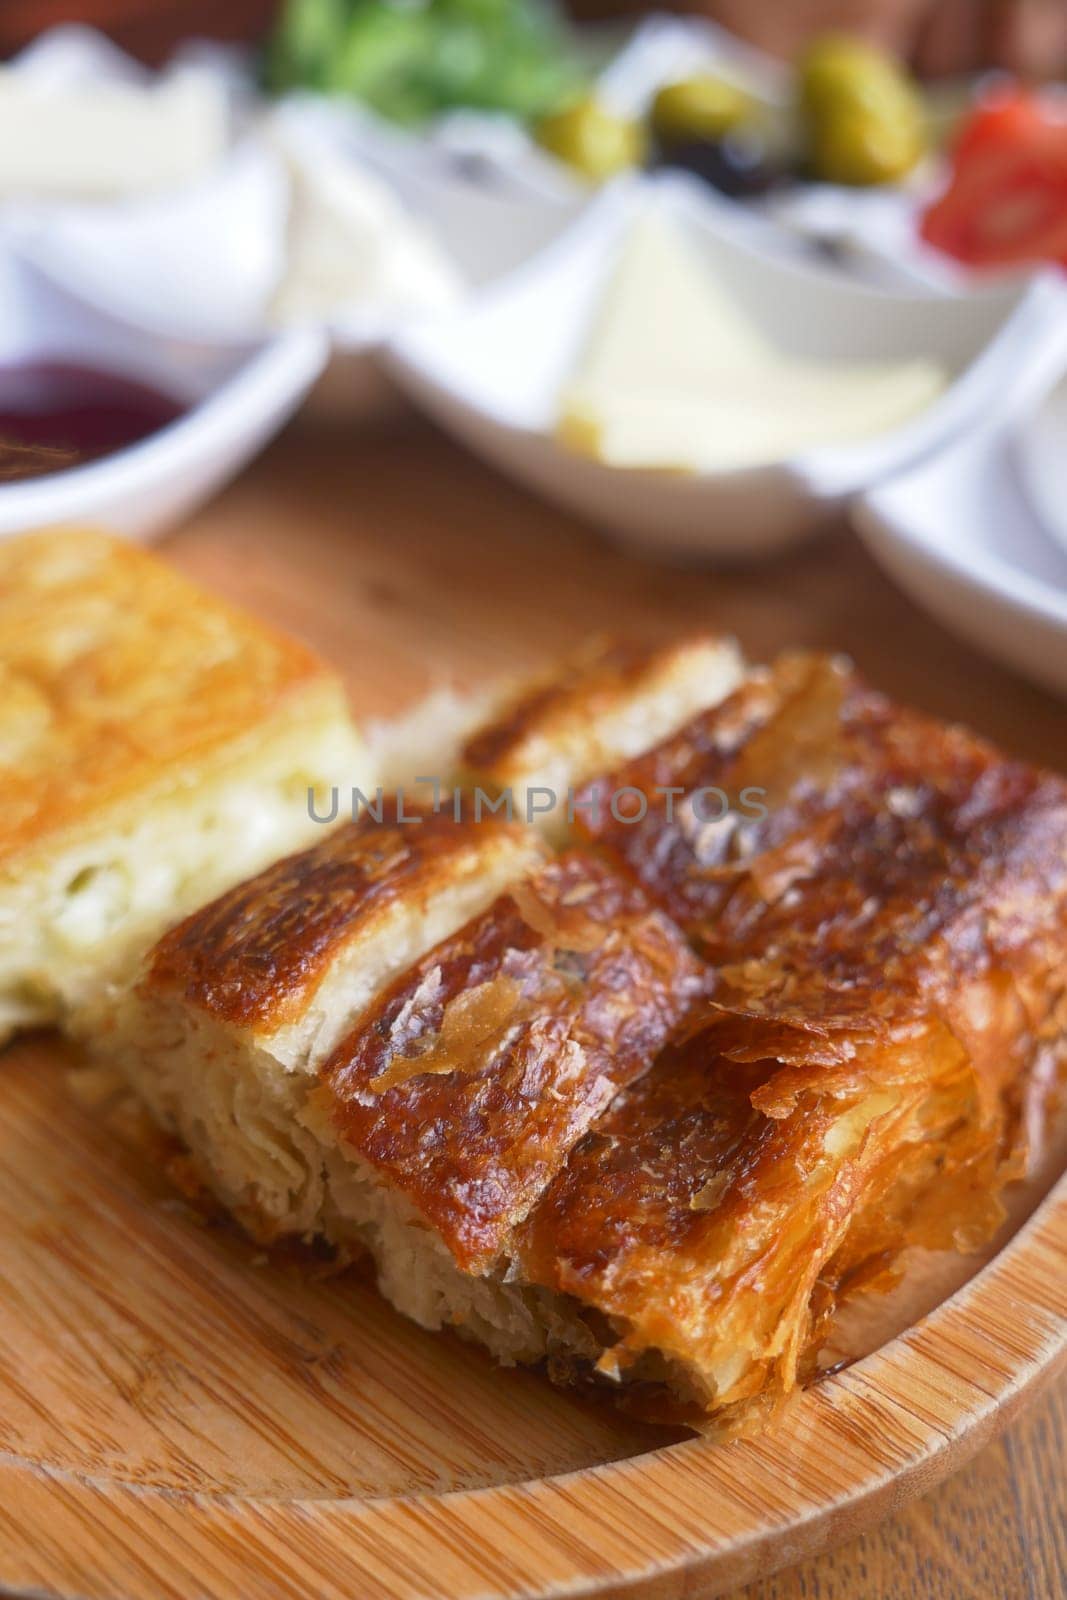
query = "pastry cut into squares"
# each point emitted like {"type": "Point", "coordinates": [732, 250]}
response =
{"type": "Point", "coordinates": [714, 1217]}
{"type": "Point", "coordinates": [888, 934]}
{"type": "Point", "coordinates": [572, 1132]}
{"type": "Point", "coordinates": [285, 961]}
{"type": "Point", "coordinates": [468, 1082]}
{"type": "Point", "coordinates": [606, 703]}
{"type": "Point", "coordinates": [379, 1069]}
{"type": "Point", "coordinates": [236, 1008]}
{"type": "Point", "coordinates": [156, 745]}
{"type": "Point", "coordinates": [845, 862]}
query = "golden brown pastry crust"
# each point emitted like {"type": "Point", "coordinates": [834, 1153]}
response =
{"type": "Point", "coordinates": [116, 673]}
{"type": "Point", "coordinates": [478, 1070]}
{"type": "Point", "coordinates": [253, 956]}
{"type": "Point", "coordinates": [599, 672]}
{"type": "Point", "coordinates": [902, 865]}
{"type": "Point", "coordinates": [890, 941]}
{"type": "Point", "coordinates": [718, 1236]}
{"type": "Point", "coordinates": [574, 695]}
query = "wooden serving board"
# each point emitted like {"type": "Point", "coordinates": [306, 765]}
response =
{"type": "Point", "coordinates": [181, 1415]}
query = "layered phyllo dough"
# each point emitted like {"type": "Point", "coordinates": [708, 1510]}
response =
{"type": "Point", "coordinates": [406, 1061]}
{"type": "Point", "coordinates": [608, 702]}
{"type": "Point", "coordinates": [155, 746]}
{"type": "Point", "coordinates": [227, 1026]}
{"type": "Point", "coordinates": [649, 1107]}
{"type": "Point", "coordinates": [886, 916]}
{"type": "Point", "coordinates": [729, 1199]}
{"type": "Point", "coordinates": [850, 866]}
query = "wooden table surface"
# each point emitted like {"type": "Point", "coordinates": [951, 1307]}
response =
{"type": "Point", "coordinates": [418, 566]}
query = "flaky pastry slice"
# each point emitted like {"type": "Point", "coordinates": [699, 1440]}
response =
{"type": "Point", "coordinates": [156, 745]}
{"type": "Point", "coordinates": [723, 1205]}
{"type": "Point", "coordinates": [600, 706]}
{"type": "Point", "coordinates": [887, 919]}
{"type": "Point", "coordinates": [396, 1040]}
{"type": "Point", "coordinates": [844, 860]}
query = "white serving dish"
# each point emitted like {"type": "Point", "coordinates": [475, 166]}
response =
{"type": "Point", "coordinates": [206, 260]}
{"type": "Point", "coordinates": [489, 220]}
{"type": "Point", "coordinates": [238, 397]}
{"type": "Point", "coordinates": [196, 264]}
{"type": "Point", "coordinates": [1040, 444]}
{"type": "Point", "coordinates": [960, 535]}
{"type": "Point", "coordinates": [486, 222]}
{"type": "Point", "coordinates": [491, 373]}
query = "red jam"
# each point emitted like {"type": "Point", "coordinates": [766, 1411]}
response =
{"type": "Point", "coordinates": [55, 415]}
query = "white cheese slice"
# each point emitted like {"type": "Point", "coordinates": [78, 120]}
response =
{"type": "Point", "coordinates": [675, 376]}
{"type": "Point", "coordinates": [97, 140]}
{"type": "Point", "coordinates": [351, 245]}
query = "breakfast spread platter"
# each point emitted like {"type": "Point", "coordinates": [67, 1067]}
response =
{"type": "Point", "coordinates": [190, 1406]}
{"type": "Point", "coordinates": [525, 1069]}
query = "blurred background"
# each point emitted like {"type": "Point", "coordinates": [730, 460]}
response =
{"type": "Point", "coordinates": [938, 36]}
{"type": "Point", "coordinates": [704, 278]}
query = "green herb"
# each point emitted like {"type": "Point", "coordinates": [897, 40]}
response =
{"type": "Point", "coordinates": [411, 61]}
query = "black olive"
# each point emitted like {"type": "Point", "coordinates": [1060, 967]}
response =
{"type": "Point", "coordinates": [739, 164]}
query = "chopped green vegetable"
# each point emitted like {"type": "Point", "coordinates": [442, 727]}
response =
{"type": "Point", "coordinates": [306, 36]}
{"type": "Point", "coordinates": [411, 59]}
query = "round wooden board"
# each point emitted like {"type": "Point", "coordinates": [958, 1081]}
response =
{"type": "Point", "coordinates": [182, 1416]}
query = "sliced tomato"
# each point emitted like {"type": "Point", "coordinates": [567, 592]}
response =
{"type": "Point", "coordinates": [1007, 114]}
{"type": "Point", "coordinates": [1006, 202]}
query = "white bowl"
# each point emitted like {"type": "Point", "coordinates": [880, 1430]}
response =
{"type": "Point", "coordinates": [492, 371]}
{"type": "Point", "coordinates": [1041, 451]}
{"type": "Point", "coordinates": [237, 398]}
{"type": "Point", "coordinates": [960, 535]}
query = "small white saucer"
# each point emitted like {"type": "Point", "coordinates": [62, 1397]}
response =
{"type": "Point", "coordinates": [236, 396]}
{"type": "Point", "coordinates": [960, 534]}
{"type": "Point", "coordinates": [207, 259]}
{"type": "Point", "coordinates": [1041, 452]}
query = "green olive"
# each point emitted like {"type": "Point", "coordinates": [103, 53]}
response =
{"type": "Point", "coordinates": [850, 146]}
{"type": "Point", "coordinates": [834, 64]}
{"type": "Point", "coordinates": [698, 108]}
{"type": "Point", "coordinates": [863, 116]}
{"type": "Point", "coordinates": [592, 139]}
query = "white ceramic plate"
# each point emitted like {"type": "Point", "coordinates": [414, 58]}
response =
{"type": "Point", "coordinates": [492, 371]}
{"type": "Point", "coordinates": [202, 262]}
{"type": "Point", "coordinates": [206, 258]}
{"type": "Point", "coordinates": [960, 535]}
{"type": "Point", "coordinates": [489, 219]}
{"type": "Point", "coordinates": [237, 398]}
{"type": "Point", "coordinates": [1041, 451]}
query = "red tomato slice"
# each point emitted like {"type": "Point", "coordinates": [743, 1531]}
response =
{"type": "Point", "coordinates": [1006, 115]}
{"type": "Point", "coordinates": [1006, 204]}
